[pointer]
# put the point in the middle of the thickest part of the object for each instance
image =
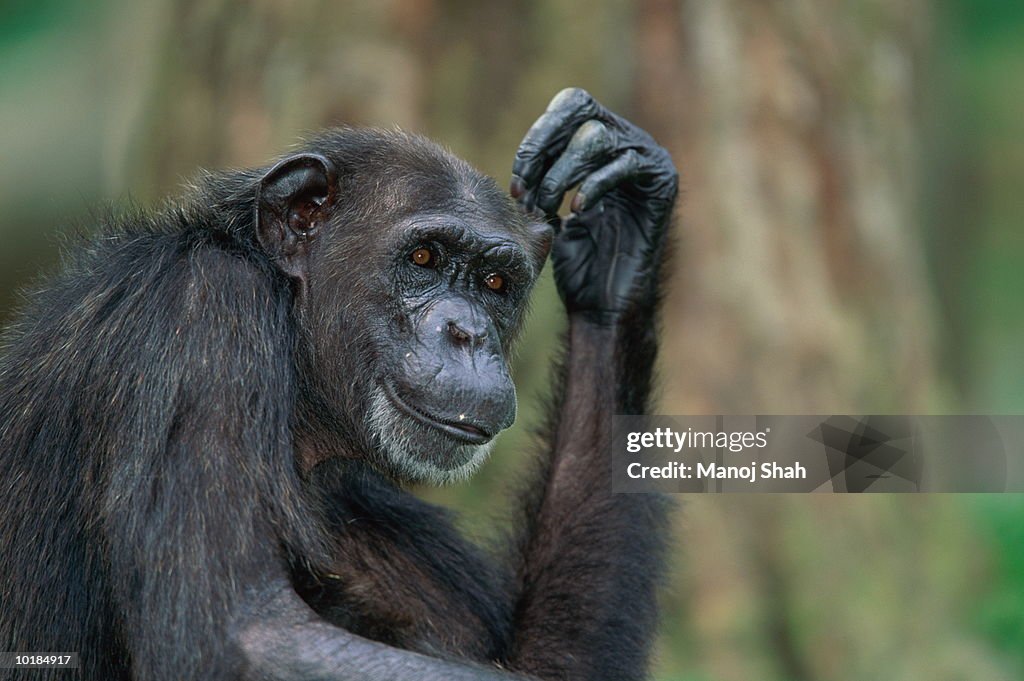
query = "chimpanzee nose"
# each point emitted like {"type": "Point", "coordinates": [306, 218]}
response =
{"type": "Point", "coordinates": [456, 369]}
{"type": "Point", "coordinates": [463, 332]}
{"type": "Point", "coordinates": [455, 324]}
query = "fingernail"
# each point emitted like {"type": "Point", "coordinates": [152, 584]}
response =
{"type": "Point", "coordinates": [516, 187]}
{"type": "Point", "coordinates": [577, 202]}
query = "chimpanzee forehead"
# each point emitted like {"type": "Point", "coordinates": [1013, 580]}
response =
{"type": "Point", "coordinates": [392, 176]}
{"type": "Point", "coordinates": [472, 200]}
{"type": "Point", "coordinates": [459, 227]}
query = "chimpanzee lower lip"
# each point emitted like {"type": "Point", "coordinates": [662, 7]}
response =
{"type": "Point", "coordinates": [461, 431]}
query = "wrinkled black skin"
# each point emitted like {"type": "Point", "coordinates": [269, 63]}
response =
{"type": "Point", "coordinates": [187, 487]}
{"type": "Point", "coordinates": [609, 248]}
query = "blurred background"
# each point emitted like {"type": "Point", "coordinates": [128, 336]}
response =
{"type": "Point", "coordinates": [850, 230]}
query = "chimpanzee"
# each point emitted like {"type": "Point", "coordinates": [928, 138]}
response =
{"type": "Point", "coordinates": [209, 417]}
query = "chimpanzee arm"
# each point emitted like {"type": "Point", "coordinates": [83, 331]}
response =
{"type": "Point", "coordinates": [203, 609]}
{"type": "Point", "coordinates": [285, 640]}
{"type": "Point", "coordinates": [590, 560]}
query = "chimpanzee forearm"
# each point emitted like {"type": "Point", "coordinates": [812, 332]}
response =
{"type": "Point", "coordinates": [282, 639]}
{"type": "Point", "coordinates": [592, 559]}
{"type": "Point", "coordinates": [589, 560]}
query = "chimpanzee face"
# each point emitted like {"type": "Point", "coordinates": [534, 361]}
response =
{"type": "Point", "coordinates": [407, 314]}
{"type": "Point", "coordinates": [444, 389]}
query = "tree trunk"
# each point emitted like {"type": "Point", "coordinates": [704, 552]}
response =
{"type": "Point", "coordinates": [800, 288]}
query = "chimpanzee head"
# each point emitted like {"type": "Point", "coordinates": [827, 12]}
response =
{"type": "Point", "coordinates": [411, 272]}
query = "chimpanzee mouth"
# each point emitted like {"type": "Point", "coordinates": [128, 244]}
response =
{"type": "Point", "coordinates": [466, 432]}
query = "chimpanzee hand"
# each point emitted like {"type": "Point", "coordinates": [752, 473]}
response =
{"type": "Point", "coordinates": [606, 250]}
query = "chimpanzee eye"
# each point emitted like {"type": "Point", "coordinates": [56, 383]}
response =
{"type": "Point", "coordinates": [495, 282]}
{"type": "Point", "coordinates": [424, 257]}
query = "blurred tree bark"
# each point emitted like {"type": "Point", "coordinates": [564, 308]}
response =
{"type": "Point", "coordinates": [801, 283]}
{"type": "Point", "coordinates": [801, 289]}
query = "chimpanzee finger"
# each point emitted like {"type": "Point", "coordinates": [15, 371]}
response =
{"type": "Point", "coordinates": [549, 135]}
{"type": "Point", "coordinates": [625, 168]}
{"type": "Point", "coordinates": [592, 145]}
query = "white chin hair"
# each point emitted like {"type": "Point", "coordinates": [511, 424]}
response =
{"type": "Point", "coordinates": [398, 441]}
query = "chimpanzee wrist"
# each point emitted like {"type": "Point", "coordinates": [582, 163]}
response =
{"type": "Point", "coordinates": [598, 319]}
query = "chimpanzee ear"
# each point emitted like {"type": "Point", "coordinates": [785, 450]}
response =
{"type": "Point", "coordinates": [542, 235]}
{"type": "Point", "coordinates": [292, 203]}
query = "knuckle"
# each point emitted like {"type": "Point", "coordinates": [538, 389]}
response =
{"type": "Point", "coordinates": [573, 97]}
{"type": "Point", "coordinates": [593, 132]}
{"type": "Point", "coordinates": [657, 159]}
{"type": "Point", "coordinates": [525, 165]}
{"type": "Point", "coordinates": [668, 170]}
{"type": "Point", "coordinates": [527, 150]}
{"type": "Point", "coordinates": [596, 187]}
{"type": "Point", "coordinates": [550, 185]}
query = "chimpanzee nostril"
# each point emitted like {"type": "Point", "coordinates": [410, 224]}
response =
{"type": "Point", "coordinates": [463, 336]}
{"type": "Point", "coordinates": [458, 334]}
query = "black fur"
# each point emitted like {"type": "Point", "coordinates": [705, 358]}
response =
{"type": "Point", "coordinates": [151, 394]}
{"type": "Point", "coordinates": [144, 446]}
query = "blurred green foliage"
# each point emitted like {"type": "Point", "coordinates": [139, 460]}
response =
{"type": "Point", "coordinates": [986, 57]}
{"type": "Point", "coordinates": [1000, 610]}
{"type": "Point", "coordinates": [982, 53]}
